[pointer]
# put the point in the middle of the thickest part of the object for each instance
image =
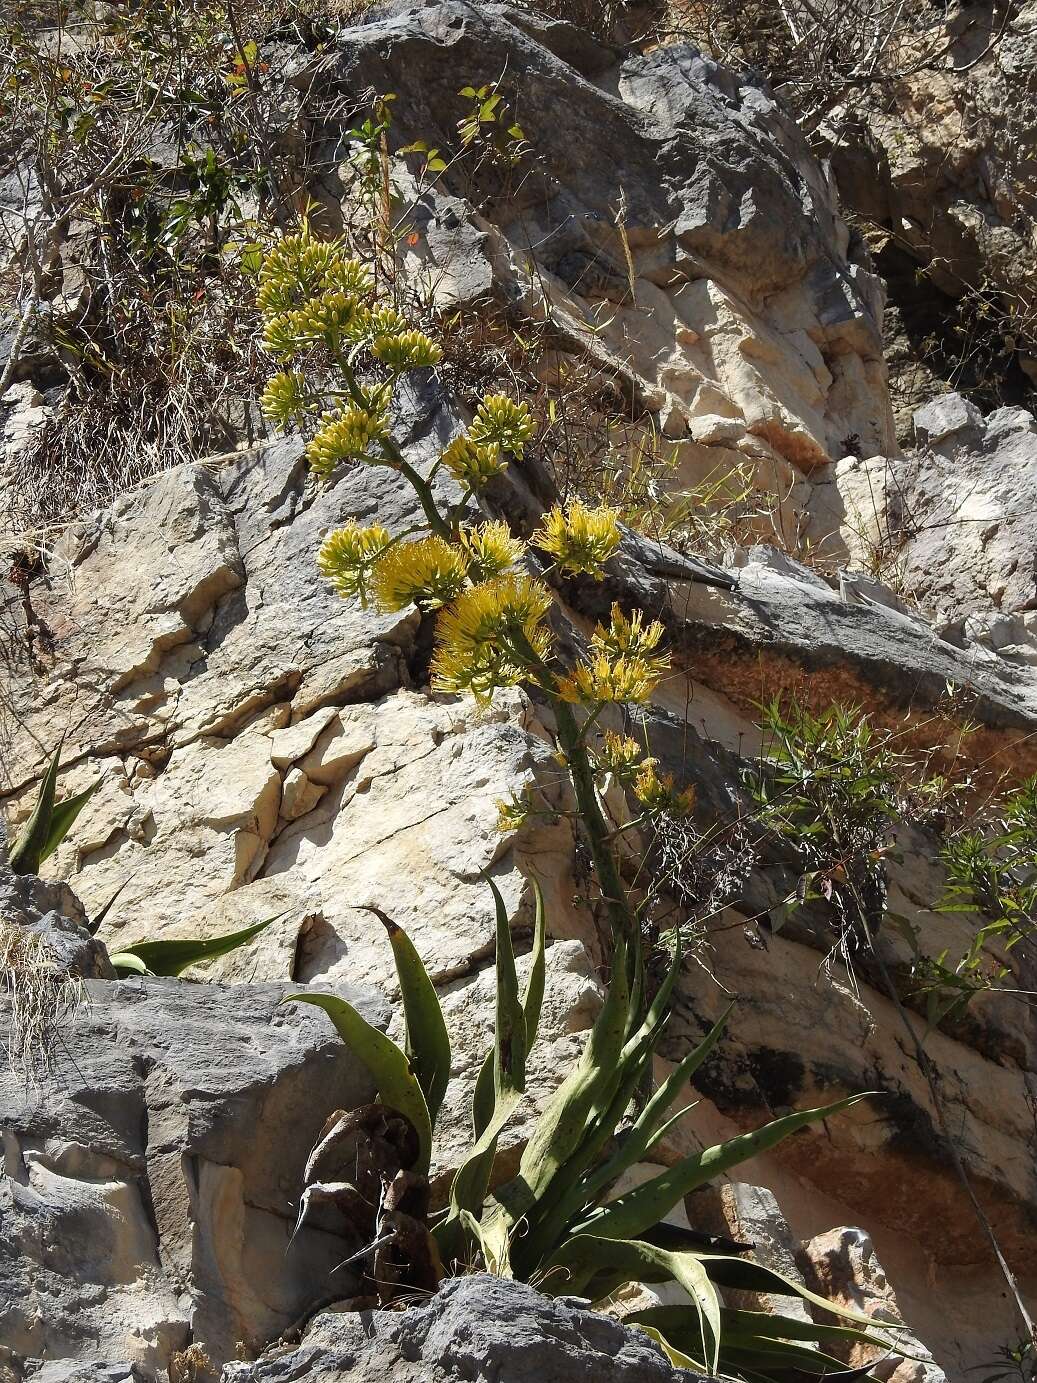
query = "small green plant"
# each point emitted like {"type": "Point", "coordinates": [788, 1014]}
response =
{"type": "Point", "coordinates": [49, 823]}
{"type": "Point", "coordinates": [487, 593]}
{"type": "Point", "coordinates": [173, 956]}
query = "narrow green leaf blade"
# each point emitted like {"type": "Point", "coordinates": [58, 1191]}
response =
{"type": "Point", "coordinates": [639, 1209]}
{"type": "Point", "coordinates": [173, 956]}
{"type": "Point", "coordinates": [27, 852]}
{"type": "Point", "coordinates": [125, 962]}
{"type": "Point", "coordinates": [426, 1041]}
{"type": "Point", "coordinates": [390, 1070]}
{"type": "Point", "coordinates": [532, 1002]}
{"type": "Point", "coordinates": [63, 818]}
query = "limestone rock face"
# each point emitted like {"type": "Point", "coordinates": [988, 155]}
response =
{"type": "Point", "coordinates": [151, 1177]}
{"type": "Point", "coordinates": [271, 751]}
{"type": "Point", "coordinates": [477, 1329]}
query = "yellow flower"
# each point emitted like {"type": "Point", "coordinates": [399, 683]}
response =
{"type": "Point", "coordinates": [656, 792]}
{"type": "Point", "coordinates": [631, 638]}
{"type": "Point", "coordinates": [620, 755]}
{"type": "Point", "coordinates": [606, 679]}
{"type": "Point", "coordinates": [579, 538]}
{"type": "Point", "coordinates": [492, 636]}
{"type": "Point", "coordinates": [299, 268]}
{"type": "Point", "coordinates": [371, 322]}
{"type": "Point", "coordinates": [285, 398]}
{"type": "Point", "coordinates": [347, 555]}
{"type": "Point", "coordinates": [410, 350]}
{"type": "Point", "coordinates": [428, 572]}
{"type": "Point", "coordinates": [472, 464]}
{"type": "Point", "coordinates": [502, 422]}
{"type": "Point", "coordinates": [511, 815]}
{"type": "Point", "coordinates": [490, 549]}
{"type": "Point", "coordinates": [344, 436]}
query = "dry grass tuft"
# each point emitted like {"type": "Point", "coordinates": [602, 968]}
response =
{"type": "Point", "coordinates": [44, 994]}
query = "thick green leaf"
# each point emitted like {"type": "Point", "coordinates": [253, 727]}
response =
{"type": "Point", "coordinates": [63, 818]}
{"type": "Point", "coordinates": [532, 1002]}
{"type": "Point", "coordinates": [390, 1070]}
{"type": "Point", "coordinates": [744, 1276]}
{"type": "Point", "coordinates": [172, 957]}
{"type": "Point", "coordinates": [586, 1258]}
{"type": "Point", "coordinates": [677, 1357]}
{"type": "Point", "coordinates": [584, 1094]}
{"type": "Point", "coordinates": [426, 1043]}
{"type": "Point", "coordinates": [639, 1209]}
{"type": "Point", "coordinates": [27, 851]}
{"type": "Point", "coordinates": [673, 1322]}
{"type": "Point", "coordinates": [507, 1075]}
{"type": "Point", "coordinates": [651, 1119]}
{"type": "Point", "coordinates": [126, 963]}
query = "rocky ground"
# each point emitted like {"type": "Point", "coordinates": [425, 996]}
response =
{"type": "Point", "coordinates": [268, 749]}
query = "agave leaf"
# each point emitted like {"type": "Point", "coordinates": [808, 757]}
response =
{"type": "Point", "coordinates": [744, 1276]}
{"type": "Point", "coordinates": [631, 1260]}
{"type": "Point", "coordinates": [509, 1041]}
{"type": "Point", "coordinates": [27, 852]}
{"type": "Point", "coordinates": [761, 1353]}
{"type": "Point", "coordinates": [631, 1214]}
{"type": "Point", "coordinates": [532, 1002]}
{"type": "Point", "coordinates": [125, 962]}
{"type": "Point", "coordinates": [63, 818]}
{"type": "Point", "coordinates": [95, 923]}
{"type": "Point", "coordinates": [390, 1070]}
{"type": "Point", "coordinates": [172, 957]}
{"type": "Point", "coordinates": [676, 1356]}
{"type": "Point", "coordinates": [585, 1092]}
{"type": "Point", "coordinates": [649, 1122]}
{"type": "Point", "coordinates": [426, 1042]}
{"type": "Point", "coordinates": [673, 1322]}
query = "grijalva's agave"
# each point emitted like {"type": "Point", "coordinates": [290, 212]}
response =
{"type": "Point", "coordinates": [553, 1222]}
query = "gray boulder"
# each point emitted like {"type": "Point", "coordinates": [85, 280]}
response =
{"type": "Point", "coordinates": [479, 1329]}
{"type": "Point", "coordinates": [151, 1175]}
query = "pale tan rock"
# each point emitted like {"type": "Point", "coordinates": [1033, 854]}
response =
{"type": "Point", "coordinates": [299, 795]}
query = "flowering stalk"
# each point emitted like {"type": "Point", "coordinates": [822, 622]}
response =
{"type": "Point", "coordinates": [491, 616]}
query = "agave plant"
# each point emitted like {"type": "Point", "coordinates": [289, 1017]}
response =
{"type": "Point", "coordinates": [49, 823]}
{"type": "Point", "coordinates": [490, 591]}
{"type": "Point", "coordinates": [556, 1222]}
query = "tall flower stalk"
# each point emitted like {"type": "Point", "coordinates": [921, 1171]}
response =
{"type": "Point", "coordinates": [556, 1221]}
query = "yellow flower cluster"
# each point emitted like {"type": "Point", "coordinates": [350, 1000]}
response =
{"type": "Point", "coordinates": [656, 792]}
{"type": "Point", "coordinates": [619, 755]}
{"type": "Point", "coordinates": [512, 814]}
{"type": "Point", "coordinates": [622, 666]}
{"type": "Point", "coordinates": [501, 422]}
{"type": "Point", "coordinates": [492, 636]}
{"type": "Point", "coordinates": [344, 436]}
{"type": "Point", "coordinates": [347, 555]}
{"type": "Point", "coordinates": [471, 464]}
{"type": "Point", "coordinates": [285, 398]}
{"type": "Point", "coordinates": [409, 350]}
{"type": "Point", "coordinates": [489, 549]}
{"type": "Point", "coordinates": [579, 538]}
{"type": "Point", "coordinates": [298, 269]}
{"type": "Point", "coordinates": [429, 572]}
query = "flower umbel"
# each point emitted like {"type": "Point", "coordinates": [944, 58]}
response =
{"type": "Point", "coordinates": [631, 638]}
{"type": "Point", "coordinates": [347, 555]}
{"type": "Point", "coordinates": [410, 350]}
{"type": "Point", "coordinates": [490, 549]}
{"type": "Point", "coordinates": [579, 538]}
{"type": "Point", "coordinates": [344, 436]}
{"type": "Point", "coordinates": [602, 679]}
{"type": "Point", "coordinates": [285, 398]}
{"type": "Point", "coordinates": [620, 755]}
{"type": "Point", "coordinates": [472, 463]}
{"type": "Point", "coordinates": [656, 793]}
{"type": "Point", "coordinates": [492, 636]}
{"type": "Point", "coordinates": [429, 572]}
{"type": "Point", "coordinates": [501, 421]}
